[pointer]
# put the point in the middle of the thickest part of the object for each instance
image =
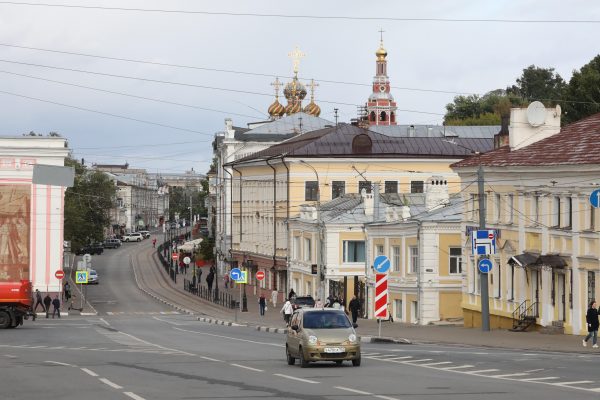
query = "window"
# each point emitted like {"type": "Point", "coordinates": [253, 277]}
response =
{"type": "Point", "coordinates": [307, 249]}
{"type": "Point", "coordinates": [556, 211]}
{"type": "Point", "coordinates": [338, 189]}
{"type": "Point", "coordinates": [591, 287]}
{"type": "Point", "coordinates": [372, 116]}
{"type": "Point", "coordinates": [413, 263]}
{"type": "Point", "coordinates": [354, 251]}
{"type": "Point", "coordinates": [297, 247]}
{"type": "Point", "coordinates": [383, 116]}
{"type": "Point", "coordinates": [398, 310]}
{"type": "Point", "coordinates": [511, 208]}
{"type": "Point", "coordinates": [512, 281]}
{"type": "Point", "coordinates": [569, 212]}
{"type": "Point", "coordinates": [498, 205]}
{"type": "Point", "coordinates": [364, 185]}
{"type": "Point", "coordinates": [455, 260]}
{"type": "Point", "coordinates": [391, 186]}
{"type": "Point", "coordinates": [396, 258]}
{"type": "Point", "coordinates": [536, 208]}
{"type": "Point", "coordinates": [416, 186]}
{"type": "Point", "coordinates": [311, 190]}
{"type": "Point", "coordinates": [498, 279]}
{"type": "Point", "coordinates": [379, 249]}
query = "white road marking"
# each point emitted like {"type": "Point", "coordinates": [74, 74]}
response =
{"type": "Point", "coordinates": [156, 345]}
{"type": "Point", "coordinates": [571, 383]}
{"type": "Point", "coordinates": [59, 363]}
{"type": "Point", "coordinates": [353, 390]}
{"type": "Point", "coordinates": [245, 367]}
{"type": "Point", "coordinates": [167, 321]}
{"type": "Point", "coordinates": [530, 354]}
{"type": "Point", "coordinates": [595, 390]}
{"type": "Point", "coordinates": [370, 354]}
{"type": "Point", "coordinates": [109, 313]}
{"type": "Point", "coordinates": [104, 321]}
{"type": "Point", "coordinates": [89, 372]}
{"type": "Point", "coordinates": [385, 397]}
{"type": "Point", "coordinates": [37, 347]}
{"type": "Point", "coordinates": [229, 337]}
{"type": "Point", "coordinates": [509, 375]}
{"type": "Point", "coordinates": [295, 378]}
{"type": "Point", "coordinates": [545, 378]}
{"type": "Point", "coordinates": [458, 367]}
{"type": "Point", "coordinates": [133, 396]}
{"type": "Point", "coordinates": [111, 384]}
{"type": "Point", "coordinates": [535, 370]}
{"type": "Point", "coordinates": [420, 360]}
{"type": "Point", "coordinates": [210, 359]}
{"type": "Point", "coordinates": [436, 363]}
{"type": "Point", "coordinates": [481, 371]}
{"type": "Point", "coordinates": [398, 358]}
{"type": "Point", "coordinates": [10, 356]}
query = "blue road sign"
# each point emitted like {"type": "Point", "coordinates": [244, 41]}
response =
{"type": "Point", "coordinates": [235, 274]}
{"type": "Point", "coordinates": [381, 264]}
{"type": "Point", "coordinates": [485, 265]}
{"type": "Point", "coordinates": [595, 198]}
{"type": "Point", "coordinates": [484, 242]}
{"type": "Point", "coordinates": [81, 277]}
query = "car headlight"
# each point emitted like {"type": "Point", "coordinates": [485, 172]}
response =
{"type": "Point", "coordinates": [352, 338]}
{"type": "Point", "coordinates": [312, 339]}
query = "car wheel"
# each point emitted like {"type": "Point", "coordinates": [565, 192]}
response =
{"type": "Point", "coordinates": [290, 360]}
{"type": "Point", "coordinates": [303, 362]}
{"type": "Point", "coordinates": [338, 362]}
{"type": "Point", "coordinates": [139, 240]}
{"type": "Point", "coordinates": [4, 320]}
{"type": "Point", "coordinates": [356, 362]}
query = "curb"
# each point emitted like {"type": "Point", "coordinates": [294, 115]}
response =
{"type": "Point", "coordinates": [218, 321]}
{"type": "Point", "coordinates": [375, 339]}
{"type": "Point", "coordinates": [270, 329]}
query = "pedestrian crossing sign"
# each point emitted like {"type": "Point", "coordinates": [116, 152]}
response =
{"type": "Point", "coordinates": [81, 277]}
{"type": "Point", "coordinates": [243, 278]}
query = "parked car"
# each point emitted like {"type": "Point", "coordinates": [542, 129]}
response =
{"type": "Point", "coordinates": [92, 277]}
{"type": "Point", "coordinates": [321, 335]}
{"type": "Point", "coordinates": [145, 234]}
{"type": "Point", "coordinates": [112, 243]}
{"type": "Point", "coordinates": [133, 237]}
{"type": "Point", "coordinates": [90, 249]}
{"type": "Point", "coordinates": [303, 302]}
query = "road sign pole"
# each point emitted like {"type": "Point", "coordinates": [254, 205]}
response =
{"type": "Point", "coordinates": [485, 301]}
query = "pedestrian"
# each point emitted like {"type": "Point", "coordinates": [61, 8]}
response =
{"type": "Point", "coordinates": [292, 294]}
{"type": "Point", "coordinates": [194, 283]}
{"type": "Point", "coordinates": [354, 307]}
{"type": "Point", "coordinates": [318, 303]}
{"type": "Point", "coordinates": [209, 280]}
{"type": "Point", "coordinates": [154, 243]}
{"type": "Point", "coordinates": [56, 304]}
{"type": "Point", "coordinates": [336, 303]}
{"type": "Point", "coordinates": [47, 303]}
{"type": "Point", "coordinates": [262, 303]}
{"type": "Point", "coordinates": [226, 280]}
{"type": "Point", "coordinates": [38, 300]}
{"type": "Point", "coordinates": [67, 289]}
{"type": "Point", "coordinates": [329, 301]}
{"type": "Point", "coordinates": [199, 273]}
{"type": "Point", "coordinates": [592, 325]}
{"type": "Point", "coordinates": [274, 298]}
{"type": "Point", "coordinates": [286, 310]}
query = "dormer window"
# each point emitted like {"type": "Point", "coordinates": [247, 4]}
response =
{"type": "Point", "coordinates": [362, 144]}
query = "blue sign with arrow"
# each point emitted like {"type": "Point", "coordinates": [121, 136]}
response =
{"type": "Point", "coordinates": [595, 198]}
{"type": "Point", "coordinates": [485, 265]}
{"type": "Point", "coordinates": [381, 264]}
{"type": "Point", "coordinates": [235, 274]}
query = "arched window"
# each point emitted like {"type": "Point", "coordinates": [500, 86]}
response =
{"type": "Point", "coordinates": [372, 116]}
{"type": "Point", "coordinates": [392, 117]}
{"type": "Point", "coordinates": [383, 116]}
{"type": "Point", "coordinates": [362, 144]}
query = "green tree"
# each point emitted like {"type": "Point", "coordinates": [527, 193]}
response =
{"type": "Point", "coordinates": [207, 247]}
{"type": "Point", "coordinates": [480, 110]}
{"type": "Point", "coordinates": [536, 83]}
{"type": "Point", "coordinates": [179, 201]}
{"type": "Point", "coordinates": [87, 205]}
{"type": "Point", "coordinates": [582, 94]}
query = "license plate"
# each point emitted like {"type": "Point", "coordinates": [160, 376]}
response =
{"type": "Point", "coordinates": [334, 349]}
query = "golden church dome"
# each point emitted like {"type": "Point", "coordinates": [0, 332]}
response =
{"type": "Point", "coordinates": [294, 90]}
{"type": "Point", "coordinates": [381, 53]}
{"type": "Point", "coordinates": [276, 109]}
{"type": "Point", "coordinates": [312, 109]}
{"type": "Point", "coordinates": [293, 108]}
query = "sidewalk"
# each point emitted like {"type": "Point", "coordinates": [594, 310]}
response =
{"type": "Point", "coordinates": [457, 335]}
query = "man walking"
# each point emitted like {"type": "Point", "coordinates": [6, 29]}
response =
{"type": "Point", "coordinates": [262, 303]}
{"type": "Point", "coordinates": [47, 303]}
{"type": "Point", "coordinates": [56, 304]}
{"type": "Point", "coordinates": [38, 300]}
{"type": "Point", "coordinates": [592, 324]}
{"type": "Point", "coordinates": [209, 279]}
{"type": "Point", "coordinates": [67, 289]}
{"type": "Point", "coordinates": [354, 307]}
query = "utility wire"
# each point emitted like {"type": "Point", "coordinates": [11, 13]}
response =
{"type": "Point", "coordinates": [309, 16]}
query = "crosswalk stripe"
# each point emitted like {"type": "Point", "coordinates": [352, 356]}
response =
{"type": "Point", "coordinates": [458, 367]}
{"type": "Point", "coordinates": [571, 383]}
{"type": "Point", "coordinates": [546, 378]}
{"type": "Point", "coordinates": [509, 375]}
{"type": "Point", "coordinates": [481, 371]}
{"type": "Point", "coordinates": [399, 358]}
{"type": "Point", "coordinates": [595, 390]}
{"type": "Point", "coordinates": [436, 363]}
{"type": "Point", "coordinates": [421, 360]}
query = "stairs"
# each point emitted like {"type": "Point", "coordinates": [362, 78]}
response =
{"type": "Point", "coordinates": [557, 328]}
{"type": "Point", "coordinates": [524, 316]}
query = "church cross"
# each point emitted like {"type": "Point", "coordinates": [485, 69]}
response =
{"type": "Point", "coordinates": [296, 55]}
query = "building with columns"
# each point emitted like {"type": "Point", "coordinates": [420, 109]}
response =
{"type": "Point", "coordinates": [537, 189]}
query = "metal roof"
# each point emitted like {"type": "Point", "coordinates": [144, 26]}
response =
{"type": "Point", "coordinates": [292, 124]}
{"type": "Point", "coordinates": [484, 131]}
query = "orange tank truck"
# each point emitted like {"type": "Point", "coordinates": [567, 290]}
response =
{"type": "Point", "coordinates": [16, 303]}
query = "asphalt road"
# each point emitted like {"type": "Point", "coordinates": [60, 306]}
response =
{"type": "Point", "coordinates": [136, 348]}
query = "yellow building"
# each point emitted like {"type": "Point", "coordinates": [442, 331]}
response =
{"type": "Point", "coordinates": [537, 189]}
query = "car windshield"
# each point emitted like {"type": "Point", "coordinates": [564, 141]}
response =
{"type": "Point", "coordinates": [92, 272]}
{"type": "Point", "coordinates": [325, 320]}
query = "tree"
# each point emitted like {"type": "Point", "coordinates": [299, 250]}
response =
{"type": "Point", "coordinates": [480, 110]}
{"type": "Point", "coordinates": [87, 205]}
{"type": "Point", "coordinates": [179, 201]}
{"type": "Point", "coordinates": [582, 96]}
{"type": "Point", "coordinates": [207, 247]}
{"type": "Point", "coordinates": [542, 84]}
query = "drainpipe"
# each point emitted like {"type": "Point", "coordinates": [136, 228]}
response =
{"type": "Point", "coordinates": [230, 213]}
{"type": "Point", "coordinates": [274, 218]}
{"type": "Point", "coordinates": [289, 245]}
{"type": "Point", "coordinates": [419, 290]}
{"type": "Point", "coordinates": [239, 172]}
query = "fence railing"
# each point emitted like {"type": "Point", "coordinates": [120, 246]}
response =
{"type": "Point", "coordinates": [214, 295]}
{"type": "Point", "coordinates": [165, 261]}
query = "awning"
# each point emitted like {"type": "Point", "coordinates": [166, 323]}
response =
{"type": "Point", "coordinates": [189, 246]}
{"type": "Point", "coordinates": [554, 261]}
{"type": "Point", "coordinates": [524, 260]}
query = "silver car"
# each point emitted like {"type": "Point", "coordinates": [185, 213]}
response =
{"type": "Point", "coordinates": [321, 334]}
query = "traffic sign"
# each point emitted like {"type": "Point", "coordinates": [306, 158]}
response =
{"type": "Point", "coordinates": [87, 258]}
{"type": "Point", "coordinates": [175, 256]}
{"type": "Point", "coordinates": [59, 274]}
{"type": "Point", "coordinates": [235, 274]}
{"type": "Point", "coordinates": [595, 198]}
{"type": "Point", "coordinates": [260, 275]}
{"type": "Point", "coordinates": [81, 277]}
{"type": "Point", "coordinates": [187, 260]}
{"type": "Point", "coordinates": [381, 296]}
{"type": "Point", "coordinates": [485, 265]}
{"type": "Point", "coordinates": [483, 242]}
{"type": "Point", "coordinates": [244, 278]}
{"type": "Point", "coordinates": [381, 264]}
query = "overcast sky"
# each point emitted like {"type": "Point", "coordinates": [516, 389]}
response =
{"type": "Point", "coordinates": [465, 57]}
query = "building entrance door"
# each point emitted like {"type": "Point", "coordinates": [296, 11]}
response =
{"type": "Point", "coordinates": [561, 297]}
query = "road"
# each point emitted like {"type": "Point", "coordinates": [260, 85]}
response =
{"type": "Point", "coordinates": [138, 348]}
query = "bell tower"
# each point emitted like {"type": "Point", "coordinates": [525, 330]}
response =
{"type": "Point", "coordinates": [381, 107]}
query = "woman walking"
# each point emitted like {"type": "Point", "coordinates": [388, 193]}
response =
{"type": "Point", "coordinates": [592, 324]}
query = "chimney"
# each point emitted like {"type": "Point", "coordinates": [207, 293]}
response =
{"type": "Point", "coordinates": [229, 131]}
{"type": "Point", "coordinates": [367, 199]}
{"type": "Point", "coordinates": [501, 138]}
{"type": "Point", "coordinates": [532, 124]}
{"type": "Point", "coordinates": [436, 193]}
{"type": "Point", "coordinates": [429, 131]}
{"type": "Point", "coordinates": [405, 212]}
{"type": "Point", "coordinates": [411, 131]}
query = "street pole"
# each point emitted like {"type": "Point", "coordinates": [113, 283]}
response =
{"type": "Point", "coordinates": [485, 302]}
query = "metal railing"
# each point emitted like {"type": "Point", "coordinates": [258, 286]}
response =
{"type": "Point", "coordinates": [214, 295]}
{"type": "Point", "coordinates": [525, 311]}
{"type": "Point", "coordinates": [165, 261]}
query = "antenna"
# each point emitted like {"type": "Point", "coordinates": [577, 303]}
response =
{"type": "Point", "coordinates": [335, 113]}
{"type": "Point", "coordinates": [536, 114]}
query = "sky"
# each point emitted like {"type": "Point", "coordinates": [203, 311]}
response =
{"type": "Point", "coordinates": [164, 118]}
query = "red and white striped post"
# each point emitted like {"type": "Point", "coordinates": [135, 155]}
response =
{"type": "Point", "coordinates": [381, 298]}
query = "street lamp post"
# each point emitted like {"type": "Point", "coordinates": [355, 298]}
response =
{"type": "Point", "coordinates": [244, 297]}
